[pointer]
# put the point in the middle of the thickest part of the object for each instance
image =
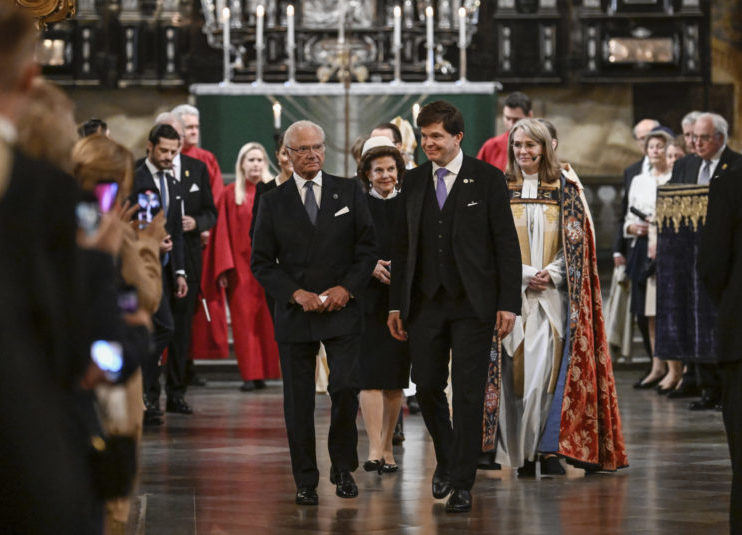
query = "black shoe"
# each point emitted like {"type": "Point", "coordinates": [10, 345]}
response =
{"type": "Point", "coordinates": [345, 485]}
{"type": "Point", "coordinates": [305, 496]}
{"type": "Point", "coordinates": [412, 405]}
{"type": "Point", "coordinates": [486, 461]}
{"type": "Point", "coordinates": [550, 466]}
{"type": "Point", "coordinates": [703, 404]}
{"type": "Point", "coordinates": [373, 466]}
{"type": "Point", "coordinates": [195, 380]}
{"type": "Point", "coordinates": [387, 468]}
{"type": "Point", "coordinates": [719, 407]}
{"type": "Point", "coordinates": [153, 407]}
{"type": "Point", "coordinates": [179, 406]}
{"type": "Point", "coordinates": [152, 419]}
{"type": "Point", "coordinates": [441, 486]}
{"type": "Point", "coordinates": [398, 436]}
{"type": "Point", "coordinates": [641, 385]}
{"type": "Point", "coordinates": [527, 470]}
{"type": "Point", "coordinates": [259, 384]}
{"type": "Point", "coordinates": [684, 391]}
{"type": "Point", "coordinates": [459, 502]}
{"type": "Point", "coordinates": [248, 386]}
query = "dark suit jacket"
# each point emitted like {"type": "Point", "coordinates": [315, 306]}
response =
{"type": "Point", "coordinates": [485, 244]}
{"type": "Point", "coordinates": [289, 253]}
{"type": "Point", "coordinates": [143, 181]}
{"type": "Point", "coordinates": [620, 243]}
{"type": "Point", "coordinates": [720, 259]}
{"type": "Point", "coordinates": [195, 187]}
{"type": "Point", "coordinates": [686, 169]}
{"type": "Point", "coordinates": [260, 189]}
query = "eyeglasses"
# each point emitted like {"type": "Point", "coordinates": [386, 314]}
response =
{"type": "Point", "coordinates": [704, 137]}
{"type": "Point", "coordinates": [306, 149]}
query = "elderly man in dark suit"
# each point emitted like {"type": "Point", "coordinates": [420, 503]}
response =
{"type": "Point", "coordinates": [712, 157]}
{"type": "Point", "coordinates": [156, 175]}
{"type": "Point", "coordinates": [720, 269]}
{"type": "Point", "coordinates": [313, 251]}
{"type": "Point", "coordinates": [456, 272]}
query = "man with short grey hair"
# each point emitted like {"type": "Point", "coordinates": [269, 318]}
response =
{"type": "Point", "coordinates": [313, 250]}
{"type": "Point", "coordinates": [687, 126]}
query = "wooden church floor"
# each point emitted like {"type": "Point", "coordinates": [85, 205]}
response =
{"type": "Point", "coordinates": [225, 470]}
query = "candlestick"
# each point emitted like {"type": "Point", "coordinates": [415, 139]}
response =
{"type": "Point", "coordinates": [430, 64]}
{"type": "Point", "coordinates": [341, 24]}
{"type": "Point", "coordinates": [290, 42]}
{"type": "Point", "coordinates": [397, 44]}
{"type": "Point", "coordinates": [415, 113]}
{"type": "Point", "coordinates": [462, 44]}
{"type": "Point", "coordinates": [277, 116]}
{"type": "Point", "coordinates": [226, 44]}
{"type": "Point", "coordinates": [259, 45]}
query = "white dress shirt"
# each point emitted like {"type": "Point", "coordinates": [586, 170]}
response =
{"type": "Point", "coordinates": [453, 167]}
{"type": "Point", "coordinates": [712, 167]}
{"type": "Point", "coordinates": [316, 187]}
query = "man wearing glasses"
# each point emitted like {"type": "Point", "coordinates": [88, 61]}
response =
{"type": "Point", "coordinates": [313, 250]}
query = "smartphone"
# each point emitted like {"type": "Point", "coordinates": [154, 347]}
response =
{"type": "Point", "coordinates": [108, 356]}
{"type": "Point", "coordinates": [149, 205]}
{"type": "Point", "coordinates": [88, 217]}
{"type": "Point", "coordinates": [127, 299]}
{"type": "Point", "coordinates": [105, 193]}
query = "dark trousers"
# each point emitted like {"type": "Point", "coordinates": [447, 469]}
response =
{"type": "Point", "coordinates": [438, 326]}
{"type": "Point", "coordinates": [298, 363]}
{"type": "Point", "coordinates": [177, 353]}
{"type": "Point", "coordinates": [731, 398]}
{"type": "Point", "coordinates": [162, 321]}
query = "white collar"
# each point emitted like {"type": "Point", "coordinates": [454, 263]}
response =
{"type": "Point", "coordinates": [717, 156]}
{"type": "Point", "coordinates": [301, 181]}
{"type": "Point", "coordinates": [154, 170]}
{"type": "Point", "coordinates": [376, 195]}
{"type": "Point", "coordinates": [454, 166]}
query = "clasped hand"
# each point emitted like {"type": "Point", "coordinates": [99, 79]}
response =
{"type": "Point", "coordinates": [336, 298]}
{"type": "Point", "coordinates": [540, 281]}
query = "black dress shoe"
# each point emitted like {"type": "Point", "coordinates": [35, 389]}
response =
{"type": "Point", "coordinates": [195, 380]}
{"type": "Point", "coordinates": [527, 470]}
{"type": "Point", "coordinates": [179, 406]}
{"type": "Point", "coordinates": [550, 466]}
{"type": "Point", "coordinates": [305, 496]}
{"type": "Point", "coordinates": [152, 419]}
{"type": "Point", "coordinates": [259, 384]}
{"type": "Point", "coordinates": [413, 405]}
{"type": "Point", "coordinates": [248, 386]}
{"type": "Point", "coordinates": [441, 486]}
{"type": "Point", "coordinates": [703, 404]}
{"type": "Point", "coordinates": [373, 466]}
{"type": "Point", "coordinates": [153, 407]}
{"type": "Point", "coordinates": [486, 461]}
{"type": "Point", "coordinates": [459, 501]}
{"type": "Point", "coordinates": [389, 468]}
{"type": "Point", "coordinates": [345, 485]}
{"type": "Point", "coordinates": [664, 391]}
{"type": "Point", "coordinates": [640, 384]}
{"type": "Point", "coordinates": [684, 391]}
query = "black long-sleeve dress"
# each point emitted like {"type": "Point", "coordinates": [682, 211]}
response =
{"type": "Point", "coordinates": [385, 362]}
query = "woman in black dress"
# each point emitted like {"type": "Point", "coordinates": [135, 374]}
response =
{"type": "Point", "coordinates": [385, 362]}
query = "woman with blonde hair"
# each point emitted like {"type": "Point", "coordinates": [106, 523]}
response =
{"type": "Point", "coordinates": [557, 352]}
{"type": "Point", "coordinates": [228, 267]}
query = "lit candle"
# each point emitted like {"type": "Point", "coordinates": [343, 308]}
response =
{"type": "Point", "coordinates": [341, 24]}
{"type": "Point", "coordinates": [260, 12]}
{"type": "Point", "coordinates": [277, 116]}
{"type": "Point", "coordinates": [415, 113]}
{"type": "Point", "coordinates": [462, 27]}
{"type": "Point", "coordinates": [429, 18]}
{"type": "Point", "coordinates": [226, 44]}
{"type": "Point", "coordinates": [290, 26]}
{"type": "Point", "coordinates": [397, 26]}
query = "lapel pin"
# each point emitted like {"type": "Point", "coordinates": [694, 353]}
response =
{"type": "Point", "coordinates": [187, 173]}
{"type": "Point", "coordinates": [723, 167]}
{"type": "Point", "coordinates": [335, 196]}
{"type": "Point", "coordinates": [466, 181]}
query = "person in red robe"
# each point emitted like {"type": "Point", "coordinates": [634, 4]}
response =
{"type": "Point", "coordinates": [228, 256]}
{"type": "Point", "coordinates": [209, 338]}
{"type": "Point", "coordinates": [494, 151]}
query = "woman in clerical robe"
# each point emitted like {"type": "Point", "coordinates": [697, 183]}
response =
{"type": "Point", "coordinates": [557, 392]}
{"type": "Point", "coordinates": [229, 267]}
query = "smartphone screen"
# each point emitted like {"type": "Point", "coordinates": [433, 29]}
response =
{"type": "Point", "coordinates": [88, 217]}
{"type": "Point", "coordinates": [108, 356]}
{"type": "Point", "coordinates": [105, 193]}
{"type": "Point", "coordinates": [149, 205]}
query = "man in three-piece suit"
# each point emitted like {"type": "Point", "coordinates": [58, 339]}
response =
{"type": "Point", "coordinates": [313, 251]}
{"type": "Point", "coordinates": [720, 270]}
{"type": "Point", "coordinates": [456, 272]}
{"type": "Point", "coordinates": [156, 175]}
{"type": "Point", "coordinates": [712, 158]}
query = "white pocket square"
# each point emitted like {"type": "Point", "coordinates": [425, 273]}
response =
{"type": "Point", "coordinates": [194, 188]}
{"type": "Point", "coordinates": [473, 203]}
{"type": "Point", "coordinates": [342, 211]}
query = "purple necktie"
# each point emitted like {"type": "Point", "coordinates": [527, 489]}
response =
{"type": "Point", "coordinates": [440, 188]}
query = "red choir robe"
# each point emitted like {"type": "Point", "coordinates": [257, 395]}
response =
{"type": "Point", "coordinates": [228, 252]}
{"type": "Point", "coordinates": [209, 338]}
